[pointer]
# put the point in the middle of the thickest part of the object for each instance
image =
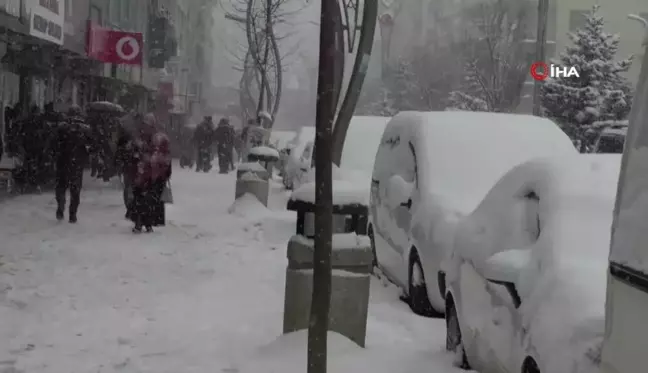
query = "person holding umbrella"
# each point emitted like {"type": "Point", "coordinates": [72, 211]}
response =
{"type": "Point", "coordinates": [72, 140]}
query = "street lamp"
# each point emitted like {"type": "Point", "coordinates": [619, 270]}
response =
{"type": "Point", "coordinates": [352, 24]}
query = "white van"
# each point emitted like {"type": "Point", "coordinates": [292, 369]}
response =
{"type": "Point", "coordinates": [432, 169]}
{"type": "Point", "coordinates": [626, 329]}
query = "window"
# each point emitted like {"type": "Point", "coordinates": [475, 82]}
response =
{"type": "Point", "coordinates": [68, 9]}
{"type": "Point", "coordinates": [406, 162]}
{"type": "Point", "coordinates": [533, 215]}
{"type": "Point", "coordinates": [577, 19]}
{"type": "Point", "coordinates": [95, 14]}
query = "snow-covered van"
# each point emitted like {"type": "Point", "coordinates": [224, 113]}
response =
{"type": "Point", "coordinates": [432, 169]}
{"type": "Point", "coordinates": [626, 329]}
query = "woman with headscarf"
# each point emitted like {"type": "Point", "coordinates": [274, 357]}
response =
{"type": "Point", "coordinates": [153, 173]}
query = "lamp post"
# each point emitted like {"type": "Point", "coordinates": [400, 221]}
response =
{"type": "Point", "coordinates": [353, 24]}
{"type": "Point", "coordinates": [541, 42]}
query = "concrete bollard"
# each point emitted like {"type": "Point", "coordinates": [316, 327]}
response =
{"type": "Point", "coordinates": [351, 262]}
{"type": "Point", "coordinates": [253, 167]}
{"type": "Point", "coordinates": [250, 183]}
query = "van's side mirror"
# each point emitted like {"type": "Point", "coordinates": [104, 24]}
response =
{"type": "Point", "coordinates": [399, 192]}
{"type": "Point", "coordinates": [505, 268]}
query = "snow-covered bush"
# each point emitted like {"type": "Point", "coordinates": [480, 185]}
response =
{"type": "Point", "coordinates": [601, 93]}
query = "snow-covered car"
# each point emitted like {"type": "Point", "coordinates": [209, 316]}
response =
{"type": "Point", "coordinates": [611, 141]}
{"type": "Point", "coordinates": [291, 158]}
{"type": "Point", "coordinates": [526, 279]}
{"type": "Point", "coordinates": [431, 169]}
{"type": "Point", "coordinates": [358, 154]}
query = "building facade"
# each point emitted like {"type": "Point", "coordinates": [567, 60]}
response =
{"type": "Point", "coordinates": [43, 52]}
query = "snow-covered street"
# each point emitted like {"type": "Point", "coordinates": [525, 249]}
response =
{"type": "Point", "coordinates": [202, 294]}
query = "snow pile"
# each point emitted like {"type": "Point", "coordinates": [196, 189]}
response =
{"type": "Point", "coordinates": [287, 354]}
{"type": "Point", "coordinates": [265, 115]}
{"type": "Point", "coordinates": [248, 206]}
{"type": "Point", "coordinates": [507, 265]}
{"type": "Point", "coordinates": [344, 193]}
{"type": "Point", "coordinates": [265, 151]}
{"type": "Point", "coordinates": [341, 241]}
{"type": "Point", "coordinates": [342, 174]}
{"type": "Point", "coordinates": [250, 176]}
{"type": "Point", "coordinates": [252, 167]}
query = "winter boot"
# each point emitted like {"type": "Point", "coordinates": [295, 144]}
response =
{"type": "Point", "coordinates": [73, 219]}
{"type": "Point", "coordinates": [60, 214]}
{"type": "Point", "coordinates": [149, 229]}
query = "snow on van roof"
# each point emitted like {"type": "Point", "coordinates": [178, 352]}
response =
{"type": "Point", "coordinates": [463, 154]}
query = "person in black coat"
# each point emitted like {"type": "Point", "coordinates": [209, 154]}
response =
{"type": "Point", "coordinates": [73, 139]}
{"type": "Point", "coordinates": [203, 140]}
{"type": "Point", "coordinates": [224, 136]}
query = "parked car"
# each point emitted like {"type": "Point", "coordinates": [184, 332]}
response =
{"type": "Point", "coordinates": [526, 279]}
{"type": "Point", "coordinates": [430, 170]}
{"type": "Point", "coordinates": [358, 154]}
{"type": "Point", "coordinates": [611, 140]}
{"type": "Point", "coordinates": [627, 290]}
{"type": "Point", "coordinates": [291, 157]}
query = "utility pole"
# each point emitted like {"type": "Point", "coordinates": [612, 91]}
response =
{"type": "Point", "coordinates": [325, 114]}
{"type": "Point", "coordinates": [541, 42]}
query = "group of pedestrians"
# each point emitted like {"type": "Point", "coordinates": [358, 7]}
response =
{"type": "Point", "coordinates": [206, 136]}
{"type": "Point", "coordinates": [144, 159]}
{"type": "Point", "coordinates": [32, 137]}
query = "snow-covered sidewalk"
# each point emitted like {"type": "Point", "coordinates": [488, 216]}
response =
{"type": "Point", "coordinates": [199, 295]}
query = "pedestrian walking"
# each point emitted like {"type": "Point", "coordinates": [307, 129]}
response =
{"type": "Point", "coordinates": [224, 136]}
{"type": "Point", "coordinates": [203, 140]}
{"type": "Point", "coordinates": [73, 138]}
{"type": "Point", "coordinates": [126, 159]}
{"type": "Point", "coordinates": [153, 173]}
{"type": "Point", "coordinates": [187, 150]}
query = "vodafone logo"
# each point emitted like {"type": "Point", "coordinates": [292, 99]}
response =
{"type": "Point", "coordinates": [127, 48]}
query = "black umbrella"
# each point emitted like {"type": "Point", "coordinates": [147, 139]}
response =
{"type": "Point", "coordinates": [106, 107]}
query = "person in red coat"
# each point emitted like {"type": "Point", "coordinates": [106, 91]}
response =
{"type": "Point", "coordinates": [153, 174]}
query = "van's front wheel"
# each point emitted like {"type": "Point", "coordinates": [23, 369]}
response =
{"type": "Point", "coordinates": [418, 298]}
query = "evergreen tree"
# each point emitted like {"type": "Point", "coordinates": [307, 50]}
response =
{"type": "Point", "coordinates": [470, 96]}
{"type": "Point", "coordinates": [601, 93]}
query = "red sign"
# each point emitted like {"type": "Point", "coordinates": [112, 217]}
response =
{"type": "Point", "coordinates": [112, 46]}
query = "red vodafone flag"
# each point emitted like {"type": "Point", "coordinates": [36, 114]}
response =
{"type": "Point", "coordinates": [112, 46]}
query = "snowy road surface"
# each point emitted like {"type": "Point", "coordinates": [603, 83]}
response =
{"type": "Point", "coordinates": [200, 295]}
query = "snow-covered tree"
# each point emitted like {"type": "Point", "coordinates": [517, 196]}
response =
{"type": "Point", "coordinates": [601, 93]}
{"type": "Point", "coordinates": [465, 102]}
{"type": "Point", "coordinates": [495, 61]}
